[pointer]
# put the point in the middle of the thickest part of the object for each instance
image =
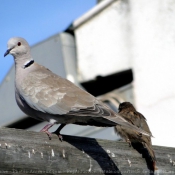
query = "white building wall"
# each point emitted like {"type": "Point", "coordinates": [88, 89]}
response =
{"type": "Point", "coordinates": [138, 35]}
{"type": "Point", "coordinates": [97, 37]}
{"type": "Point", "coordinates": [153, 61]}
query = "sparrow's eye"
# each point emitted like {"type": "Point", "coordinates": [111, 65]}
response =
{"type": "Point", "coordinates": [19, 43]}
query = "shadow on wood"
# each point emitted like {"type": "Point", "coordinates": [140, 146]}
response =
{"type": "Point", "coordinates": [26, 152]}
{"type": "Point", "coordinates": [96, 154]}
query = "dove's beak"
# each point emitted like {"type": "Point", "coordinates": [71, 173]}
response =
{"type": "Point", "coordinates": [7, 52]}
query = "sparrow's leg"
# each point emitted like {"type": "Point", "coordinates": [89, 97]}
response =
{"type": "Point", "coordinates": [128, 141]}
{"type": "Point", "coordinates": [57, 132]}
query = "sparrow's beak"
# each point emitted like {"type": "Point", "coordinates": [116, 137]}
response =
{"type": "Point", "coordinates": [7, 52]}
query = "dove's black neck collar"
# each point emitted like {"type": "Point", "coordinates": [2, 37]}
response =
{"type": "Point", "coordinates": [28, 63]}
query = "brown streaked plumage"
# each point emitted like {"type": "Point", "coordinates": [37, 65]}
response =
{"type": "Point", "coordinates": [48, 97]}
{"type": "Point", "coordinates": [139, 142]}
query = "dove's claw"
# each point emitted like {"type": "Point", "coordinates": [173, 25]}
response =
{"type": "Point", "coordinates": [49, 134]}
{"type": "Point", "coordinates": [59, 136]}
{"type": "Point", "coordinates": [57, 132]}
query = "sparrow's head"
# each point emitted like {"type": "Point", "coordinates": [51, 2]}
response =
{"type": "Point", "coordinates": [125, 105]}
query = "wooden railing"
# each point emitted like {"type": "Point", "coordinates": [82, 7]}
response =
{"type": "Point", "coordinates": [27, 152]}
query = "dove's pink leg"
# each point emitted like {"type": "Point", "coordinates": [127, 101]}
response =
{"type": "Point", "coordinates": [45, 129]}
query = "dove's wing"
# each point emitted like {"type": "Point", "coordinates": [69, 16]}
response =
{"type": "Point", "coordinates": [47, 92]}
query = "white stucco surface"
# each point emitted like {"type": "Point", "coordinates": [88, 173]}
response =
{"type": "Point", "coordinates": [153, 63]}
{"type": "Point", "coordinates": [97, 37]}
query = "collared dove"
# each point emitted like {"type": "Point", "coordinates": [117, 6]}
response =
{"type": "Point", "coordinates": [141, 144]}
{"type": "Point", "coordinates": [46, 96]}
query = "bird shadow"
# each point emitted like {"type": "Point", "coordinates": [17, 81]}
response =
{"type": "Point", "coordinates": [92, 149]}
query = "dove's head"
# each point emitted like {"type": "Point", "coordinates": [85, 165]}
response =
{"type": "Point", "coordinates": [18, 47]}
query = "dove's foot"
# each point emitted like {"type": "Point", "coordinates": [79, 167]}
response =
{"type": "Point", "coordinates": [59, 136]}
{"type": "Point", "coordinates": [57, 132]}
{"type": "Point", "coordinates": [45, 129]}
{"type": "Point", "coordinates": [49, 134]}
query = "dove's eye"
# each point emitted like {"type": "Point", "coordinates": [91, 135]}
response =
{"type": "Point", "coordinates": [19, 43]}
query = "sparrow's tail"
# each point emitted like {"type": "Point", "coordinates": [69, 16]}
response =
{"type": "Point", "coordinates": [151, 152]}
{"type": "Point", "coordinates": [147, 153]}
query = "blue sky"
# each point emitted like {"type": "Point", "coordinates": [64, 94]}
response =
{"type": "Point", "coordinates": [36, 21]}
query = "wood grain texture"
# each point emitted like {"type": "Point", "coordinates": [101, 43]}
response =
{"type": "Point", "coordinates": [27, 152]}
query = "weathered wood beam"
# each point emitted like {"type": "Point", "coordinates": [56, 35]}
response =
{"type": "Point", "coordinates": [26, 152]}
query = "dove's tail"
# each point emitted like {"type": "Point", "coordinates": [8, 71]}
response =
{"type": "Point", "coordinates": [110, 118]}
{"type": "Point", "coordinates": [121, 121]}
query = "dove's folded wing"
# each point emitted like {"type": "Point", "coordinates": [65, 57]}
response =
{"type": "Point", "coordinates": [44, 91]}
